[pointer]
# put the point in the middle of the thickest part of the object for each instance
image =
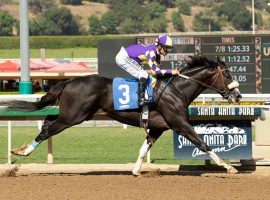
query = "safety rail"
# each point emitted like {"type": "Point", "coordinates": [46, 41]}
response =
{"type": "Point", "coordinates": [201, 97]}
{"type": "Point", "coordinates": [36, 115]}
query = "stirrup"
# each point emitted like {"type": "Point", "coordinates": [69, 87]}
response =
{"type": "Point", "coordinates": [144, 116]}
{"type": "Point", "coordinates": [143, 103]}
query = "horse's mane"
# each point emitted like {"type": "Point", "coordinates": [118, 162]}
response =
{"type": "Point", "coordinates": [198, 61]}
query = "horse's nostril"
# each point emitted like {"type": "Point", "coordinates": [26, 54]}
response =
{"type": "Point", "coordinates": [239, 96]}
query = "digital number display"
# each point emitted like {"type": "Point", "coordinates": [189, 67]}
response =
{"type": "Point", "coordinates": [233, 49]}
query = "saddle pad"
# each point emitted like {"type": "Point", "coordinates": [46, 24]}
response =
{"type": "Point", "coordinates": [125, 93]}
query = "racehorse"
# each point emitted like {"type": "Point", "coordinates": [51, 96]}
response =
{"type": "Point", "coordinates": [80, 98]}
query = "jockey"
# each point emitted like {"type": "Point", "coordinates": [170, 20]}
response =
{"type": "Point", "coordinates": [131, 58]}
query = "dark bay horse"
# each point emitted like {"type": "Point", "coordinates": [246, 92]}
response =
{"type": "Point", "coordinates": [80, 98]}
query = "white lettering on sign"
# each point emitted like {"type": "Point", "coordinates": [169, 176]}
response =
{"type": "Point", "coordinates": [206, 111]}
{"type": "Point", "coordinates": [226, 111]}
{"type": "Point", "coordinates": [228, 40]}
{"type": "Point", "coordinates": [183, 40]}
{"type": "Point", "coordinates": [237, 140]}
{"type": "Point", "coordinates": [183, 142]}
{"type": "Point", "coordinates": [226, 138]}
{"type": "Point", "coordinates": [176, 56]}
{"type": "Point", "coordinates": [246, 111]}
{"type": "Point", "coordinates": [198, 152]}
{"type": "Point", "coordinates": [211, 128]}
{"type": "Point", "coordinates": [266, 51]}
{"type": "Point", "coordinates": [214, 139]}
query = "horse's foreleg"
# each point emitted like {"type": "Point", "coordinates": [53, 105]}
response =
{"type": "Point", "coordinates": [190, 134]}
{"type": "Point", "coordinates": [142, 153]}
{"type": "Point", "coordinates": [220, 162]}
{"type": "Point", "coordinates": [152, 137]}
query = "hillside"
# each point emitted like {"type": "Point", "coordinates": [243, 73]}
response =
{"type": "Point", "coordinates": [98, 9]}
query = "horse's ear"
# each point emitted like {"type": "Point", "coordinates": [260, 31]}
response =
{"type": "Point", "coordinates": [218, 59]}
{"type": "Point", "coordinates": [190, 57]}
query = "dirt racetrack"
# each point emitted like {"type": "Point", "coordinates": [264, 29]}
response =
{"type": "Point", "coordinates": [122, 185]}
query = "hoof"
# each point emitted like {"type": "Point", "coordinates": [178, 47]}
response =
{"type": "Point", "coordinates": [19, 151]}
{"type": "Point", "coordinates": [232, 170]}
{"type": "Point", "coordinates": [136, 174]}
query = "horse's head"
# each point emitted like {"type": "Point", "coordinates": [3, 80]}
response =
{"type": "Point", "coordinates": [218, 77]}
{"type": "Point", "coordinates": [223, 81]}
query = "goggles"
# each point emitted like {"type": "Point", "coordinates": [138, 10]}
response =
{"type": "Point", "coordinates": [167, 49]}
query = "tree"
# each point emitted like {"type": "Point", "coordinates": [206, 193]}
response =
{"type": "Point", "coordinates": [154, 19]}
{"type": "Point", "coordinates": [260, 4]}
{"type": "Point", "coordinates": [258, 19]}
{"type": "Point", "coordinates": [207, 3]}
{"type": "Point", "coordinates": [156, 25]}
{"type": "Point", "coordinates": [242, 21]}
{"type": "Point", "coordinates": [268, 9]}
{"type": "Point", "coordinates": [154, 10]}
{"type": "Point", "coordinates": [128, 26]}
{"type": "Point", "coordinates": [121, 10]}
{"type": "Point", "coordinates": [184, 8]}
{"type": "Point", "coordinates": [211, 18]}
{"type": "Point", "coordinates": [166, 3]}
{"type": "Point", "coordinates": [72, 2]}
{"type": "Point", "coordinates": [117, 4]}
{"type": "Point", "coordinates": [4, 2]}
{"type": "Point", "coordinates": [99, 1]}
{"type": "Point", "coordinates": [110, 23]}
{"type": "Point", "coordinates": [95, 26]}
{"type": "Point", "coordinates": [201, 24]}
{"type": "Point", "coordinates": [6, 24]}
{"type": "Point", "coordinates": [240, 18]}
{"type": "Point", "coordinates": [37, 6]}
{"type": "Point", "coordinates": [177, 21]}
{"type": "Point", "coordinates": [55, 21]}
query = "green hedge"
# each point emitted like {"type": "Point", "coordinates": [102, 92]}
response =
{"type": "Point", "coordinates": [56, 42]}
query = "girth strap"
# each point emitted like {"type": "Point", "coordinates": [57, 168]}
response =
{"type": "Point", "coordinates": [161, 90]}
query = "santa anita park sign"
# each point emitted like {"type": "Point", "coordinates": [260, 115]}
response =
{"type": "Point", "coordinates": [227, 130]}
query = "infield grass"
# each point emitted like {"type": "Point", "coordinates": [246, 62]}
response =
{"type": "Point", "coordinates": [91, 145]}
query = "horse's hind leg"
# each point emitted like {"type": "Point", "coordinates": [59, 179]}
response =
{"type": "Point", "coordinates": [25, 150]}
{"type": "Point", "coordinates": [147, 144]}
{"type": "Point", "coordinates": [52, 126]}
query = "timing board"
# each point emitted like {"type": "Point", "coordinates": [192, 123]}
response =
{"type": "Point", "coordinates": [247, 56]}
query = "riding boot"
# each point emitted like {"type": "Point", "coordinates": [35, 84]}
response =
{"type": "Point", "coordinates": [141, 93]}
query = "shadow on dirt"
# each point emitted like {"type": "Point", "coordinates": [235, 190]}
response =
{"type": "Point", "coordinates": [184, 170]}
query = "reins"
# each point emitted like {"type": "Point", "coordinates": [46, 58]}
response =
{"type": "Point", "coordinates": [191, 79]}
{"type": "Point", "coordinates": [205, 85]}
{"type": "Point", "coordinates": [201, 83]}
{"type": "Point", "coordinates": [162, 90]}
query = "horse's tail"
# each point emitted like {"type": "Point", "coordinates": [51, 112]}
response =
{"type": "Point", "coordinates": [47, 100]}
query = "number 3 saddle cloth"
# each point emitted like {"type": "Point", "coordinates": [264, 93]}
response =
{"type": "Point", "coordinates": [125, 93]}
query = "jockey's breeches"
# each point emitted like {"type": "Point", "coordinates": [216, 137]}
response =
{"type": "Point", "coordinates": [129, 65]}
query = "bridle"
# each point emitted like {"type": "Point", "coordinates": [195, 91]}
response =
{"type": "Point", "coordinates": [220, 72]}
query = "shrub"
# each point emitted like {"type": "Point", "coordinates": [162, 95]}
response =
{"type": "Point", "coordinates": [55, 42]}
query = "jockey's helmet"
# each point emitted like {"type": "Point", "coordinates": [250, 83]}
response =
{"type": "Point", "coordinates": [164, 41]}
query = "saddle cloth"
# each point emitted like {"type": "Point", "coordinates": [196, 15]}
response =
{"type": "Point", "coordinates": [125, 93]}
